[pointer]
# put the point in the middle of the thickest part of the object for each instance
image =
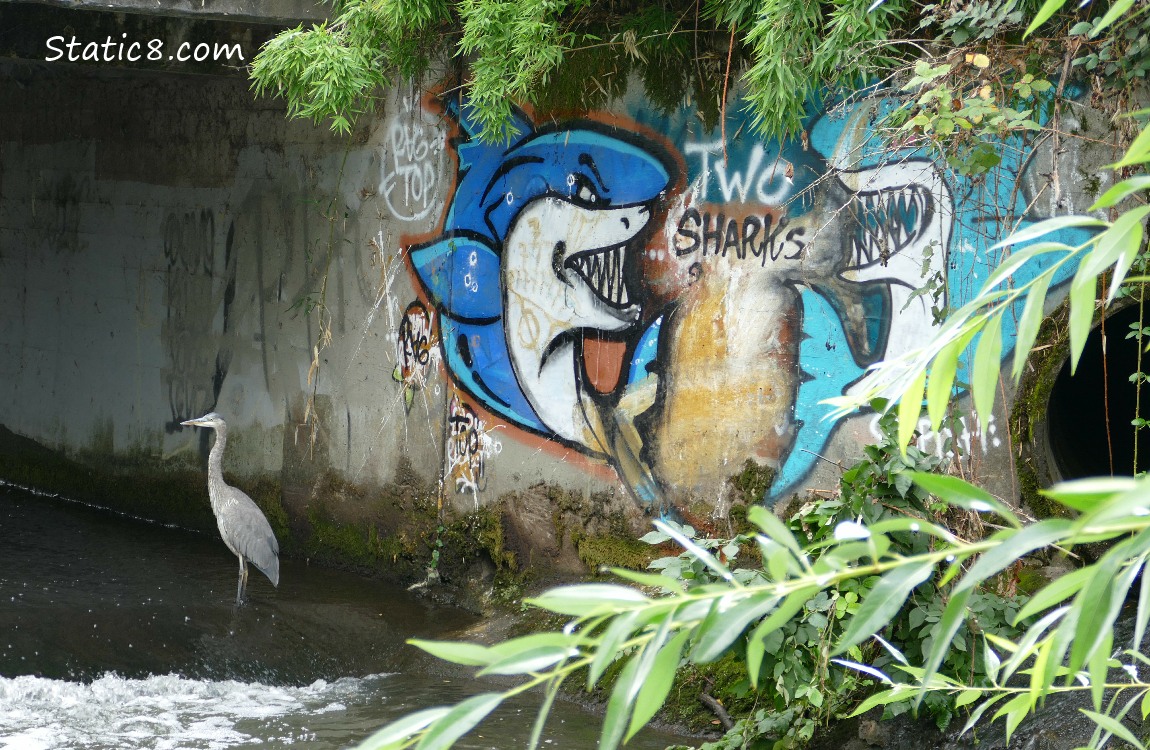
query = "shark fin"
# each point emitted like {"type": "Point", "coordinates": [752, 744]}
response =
{"type": "Point", "coordinates": [461, 276]}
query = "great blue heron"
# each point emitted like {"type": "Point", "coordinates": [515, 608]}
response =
{"type": "Point", "coordinates": [242, 524]}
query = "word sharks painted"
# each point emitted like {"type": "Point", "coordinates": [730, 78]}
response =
{"type": "Point", "coordinates": [677, 304]}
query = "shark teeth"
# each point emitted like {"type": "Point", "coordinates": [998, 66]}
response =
{"type": "Point", "coordinates": [603, 271]}
{"type": "Point", "coordinates": [887, 221]}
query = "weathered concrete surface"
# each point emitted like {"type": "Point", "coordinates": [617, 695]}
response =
{"type": "Point", "coordinates": [612, 315]}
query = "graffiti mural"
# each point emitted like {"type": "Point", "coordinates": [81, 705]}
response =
{"type": "Point", "coordinates": [469, 445]}
{"type": "Point", "coordinates": [674, 303]}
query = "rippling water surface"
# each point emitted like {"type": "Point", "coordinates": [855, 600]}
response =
{"type": "Point", "coordinates": [115, 633]}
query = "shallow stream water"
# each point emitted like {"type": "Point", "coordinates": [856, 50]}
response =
{"type": "Point", "coordinates": [116, 633]}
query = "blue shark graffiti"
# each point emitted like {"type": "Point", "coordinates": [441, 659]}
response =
{"type": "Point", "coordinates": [778, 270]}
{"type": "Point", "coordinates": [533, 254]}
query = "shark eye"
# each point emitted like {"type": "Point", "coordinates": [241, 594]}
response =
{"type": "Point", "coordinates": [582, 190]}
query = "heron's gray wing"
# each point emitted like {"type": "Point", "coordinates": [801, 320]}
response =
{"type": "Point", "coordinates": [247, 532]}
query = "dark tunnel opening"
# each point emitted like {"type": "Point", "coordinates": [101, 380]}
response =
{"type": "Point", "coordinates": [1077, 410]}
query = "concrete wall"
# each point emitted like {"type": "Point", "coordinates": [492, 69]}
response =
{"type": "Point", "coordinates": [622, 302]}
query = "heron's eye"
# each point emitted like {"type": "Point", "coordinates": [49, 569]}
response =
{"type": "Point", "coordinates": [583, 190]}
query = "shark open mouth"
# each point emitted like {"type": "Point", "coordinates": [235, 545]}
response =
{"type": "Point", "coordinates": [602, 269]}
{"type": "Point", "coordinates": [886, 222]}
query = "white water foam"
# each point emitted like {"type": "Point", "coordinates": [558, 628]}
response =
{"type": "Point", "coordinates": [162, 712]}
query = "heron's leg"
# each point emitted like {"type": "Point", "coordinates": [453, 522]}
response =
{"type": "Point", "coordinates": [240, 582]}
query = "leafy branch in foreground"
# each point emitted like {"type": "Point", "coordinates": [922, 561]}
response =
{"type": "Point", "coordinates": [652, 631]}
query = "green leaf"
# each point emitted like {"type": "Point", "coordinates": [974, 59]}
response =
{"type": "Point", "coordinates": [1124, 507]}
{"type": "Point", "coordinates": [1143, 612]}
{"type": "Point", "coordinates": [653, 580]}
{"type": "Point", "coordinates": [909, 409]}
{"type": "Point", "coordinates": [1098, 604]}
{"type": "Point", "coordinates": [953, 616]}
{"type": "Point", "coordinates": [658, 684]}
{"type": "Point", "coordinates": [1087, 494]}
{"type": "Point", "coordinates": [588, 599]}
{"type": "Point", "coordinates": [1038, 229]}
{"type": "Point", "coordinates": [883, 602]}
{"type": "Point", "coordinates": [942, 374]}
{"type": "Point", "coordinates": [978, 712]}
{"type": "Point", "coordinates": [654, 537]}
{"type": "Point", "coordinates": [394, 734]}
{"type": "Point", "coordinates": [782, 615]}
{"type": "Point", "coordinates": [616, 633]}
{"type": "Point", "coordinates": [467, 654]}
{"type": "Point", "coordinates": [696, 551]}
{"type": "Point", "coordinates": [1138, 151]}
{"type": "Point", "coordinates": [1082, 295]}
{"type": "Point", "coordinates": [1031, 320]}
{"type": "Point", "coordinates": [774, 528]}
{"type": "Point", "coordinates": [616, 720]}
{"type": "Point", "coordinates": [729, 617]}
{"type": "Point", "coordinates": [1123, 264]}
{"type": "Point", "coordinates": [777, 559]}
{"type": "Point", "coordinates": [544, 710]}
{"type": "Point", "coordinates": [459, 721]}
{"type": "Point", "coordinates": [990, 659]}
{"type": "Point", "coordinates": [531, 660]}
{"type": "Point", "coordinates": [1012, 546]}
{"type": "Point", "coordinates": [1121, 190]}
{"type": "Point", "coordinates": [882, 698]}
{"type": "Point", "coordinates": [531, 642]}
{"type": "Point", "coordinates": [1122, 237]}
{"type": "Point", "coordinates": [610, 643]}
{"type": "Point", "coordinates": [1113, 14]}
{"type": "Point", "coordinates": [621, 704]}
{"type": "Point", "coordinates": [966, 697]}
{"type": "Point", "coordinates": [1015, 710]}
{"type": "Point", "coordinates": [913, 525]}
{"type": "Point", "coordinates": [1020, 257]}
{"type": "Point", "coordinates": [1026, 646]}
{"type": "Point", "coordinates": [1098, 668]}
{"type": "Point", "coordinates": [1114, 727]}
{"type": "Point", "coordinates": [963, 494]}
{"type": "Point", "coordinates": [987, 363]}
{"type": "Point", "coordinates": [1055, 592]}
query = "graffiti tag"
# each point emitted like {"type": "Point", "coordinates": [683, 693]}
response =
{"type": "Point", "coordinates": [468, 447]}
{"type": "Point", "coordinates": [412, 164]}
{"type": "Point", "coordinates": [416, 347]}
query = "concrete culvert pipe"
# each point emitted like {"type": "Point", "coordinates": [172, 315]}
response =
{"type": "Point", "coordinates": [1088, 418]}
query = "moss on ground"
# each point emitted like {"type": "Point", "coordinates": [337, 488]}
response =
{"type": "Point", "coordinates": [612, 551]}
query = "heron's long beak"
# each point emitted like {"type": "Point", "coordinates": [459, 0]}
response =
{"type": "Point", "coordinates": [194, 423]}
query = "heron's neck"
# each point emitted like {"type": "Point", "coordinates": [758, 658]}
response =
{"type": "Point", "coordinates": [215, 458]}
